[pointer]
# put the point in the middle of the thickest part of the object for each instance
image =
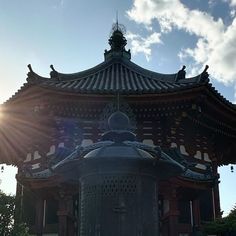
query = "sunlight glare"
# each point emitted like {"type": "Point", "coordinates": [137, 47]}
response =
{"type": "Point", "coordinates": [0, 113]}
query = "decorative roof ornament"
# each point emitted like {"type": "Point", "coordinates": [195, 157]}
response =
{"type": "Point", "coordinates": [117, 42]}
{"type": "Point", "coordinates": [204, 75]}
{"type": "Point", "coordinates": [34, 77]}
{"type": "Point", "coordinates": [118, 27]}
{"type": "Point", "coordinates": [53, 73]}
{"type": "Point", "coordinates": [30, 68]}
{"type": "Point", "coordinates": [181, 74]}
{"type": "Point", "coordinates": [30, 74]}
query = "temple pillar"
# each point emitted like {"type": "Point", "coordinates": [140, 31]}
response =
{"type": "Point", "coordinates": [196, 214]}
{"type": "Point", "coordinates": [215, 193]}
{"type": "Point", "coordinates": [174, 213]}
{"type": "Point", "coordinates": [65, 215]}
{"type": "Point", "coordinates": [39, 216]}
{"type": "Point", "coordinates": [216, 201]}
{"type": "Point", "coordinates": [19, 203]}
{"type": "Point", "coordinates": [62, 220]}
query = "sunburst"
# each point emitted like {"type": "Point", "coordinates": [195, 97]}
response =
{"type": "Point", "coordinates": [18, 132]}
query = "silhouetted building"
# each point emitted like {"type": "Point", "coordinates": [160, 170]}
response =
{"type": "Point", "coordinates": [77, 171]}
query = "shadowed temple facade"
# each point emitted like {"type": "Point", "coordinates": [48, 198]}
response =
{"type": "Point", "coordinates": [117, 149]}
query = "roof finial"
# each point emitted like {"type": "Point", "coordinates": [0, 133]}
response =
{"type": "Point", "coordinates": [206, 68]}
{"type": "Point", "coordinates": [52, 67]}
{"type": "Point", "coordinates": [30, 68]}
{"type": "Point", "coordinates": [30, 74]}
{"type": "Point", "coordinates": [204, 75]}
{"type": "Point", "coordinates": [181, 74]}
{"type": "Point", "coordinates": [53, 73]}
{"type": "Point", "coordinates": [117, 41]}
{"type": "Point", "coordinates": [117, 21]}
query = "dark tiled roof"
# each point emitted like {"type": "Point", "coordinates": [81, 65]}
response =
{"type": "Point", "coordinates": [119, 74]}
{"type": "Point", "coordinates": [173, 154]}
{"type": "Point", "coordinates": [191, 172]}
{"type": "Point", "coordinates": [115, 75]}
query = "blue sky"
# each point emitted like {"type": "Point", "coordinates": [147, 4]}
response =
{"type": "Point", "coordinates": [162, 35]}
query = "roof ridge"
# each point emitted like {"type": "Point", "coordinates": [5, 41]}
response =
{"type": "Point", "coordinates": [32, 76]}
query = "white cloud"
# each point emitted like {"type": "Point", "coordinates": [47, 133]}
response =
{"type": "Point", "coordinates": [212, 3]}
{"type": "Point", "coordinates": [232, 13]}
{"type": "Point", "coordinates": [215, 41]}
{"type": "Point", "coordinates": [232, 3]}
{"type": "Point", "coordinates": [143, 45]}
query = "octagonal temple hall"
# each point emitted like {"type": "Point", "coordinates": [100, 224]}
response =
{"type": "Point", "coordinates": [117, 149]}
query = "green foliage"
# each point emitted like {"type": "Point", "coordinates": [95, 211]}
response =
{"type": "Point", "coordinates": [224, 226]}
{"type": "Point", "coordinates": [7, 225]}
{"type": "Point", "coordinates": [6, 213]}
{"type": "Point", "coordinates": [232, 214]}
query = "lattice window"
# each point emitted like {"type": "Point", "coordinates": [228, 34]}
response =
{"type": "Point", "coordinates": [118, 185]}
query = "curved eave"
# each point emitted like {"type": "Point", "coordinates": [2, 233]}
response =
{"type": "Point", "coordinates": [191, 89]}
{"type": "Point", "coordinates": [122, 76]}
{"type": "Point", "coordinates": [115, 74]}
{"type": "Point", "coordinates": [222, 100]}
{"type": "Point", "coordinates": [40, 182]}
{"type": "Point", "coordinates": [196, 177]}
{"type": "Point", "coordinates": [189, 174]}
{"type": "Point", "coordinates": [21, 90]}
{"type": "Point", "coordinates": [106, 64]}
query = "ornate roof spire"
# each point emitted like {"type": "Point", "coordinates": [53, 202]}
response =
{"type": "Point", "coordinates": [117, 22]}
{"type": "Point", "coordinates": [117, 42]}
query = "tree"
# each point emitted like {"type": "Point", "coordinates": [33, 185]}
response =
{"type": "Point", "coordinates": [7, 225]}
{"type": "Point", "coordinates": [225, 226]}
{"type": "Point", "coordinates": [6, 213]}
